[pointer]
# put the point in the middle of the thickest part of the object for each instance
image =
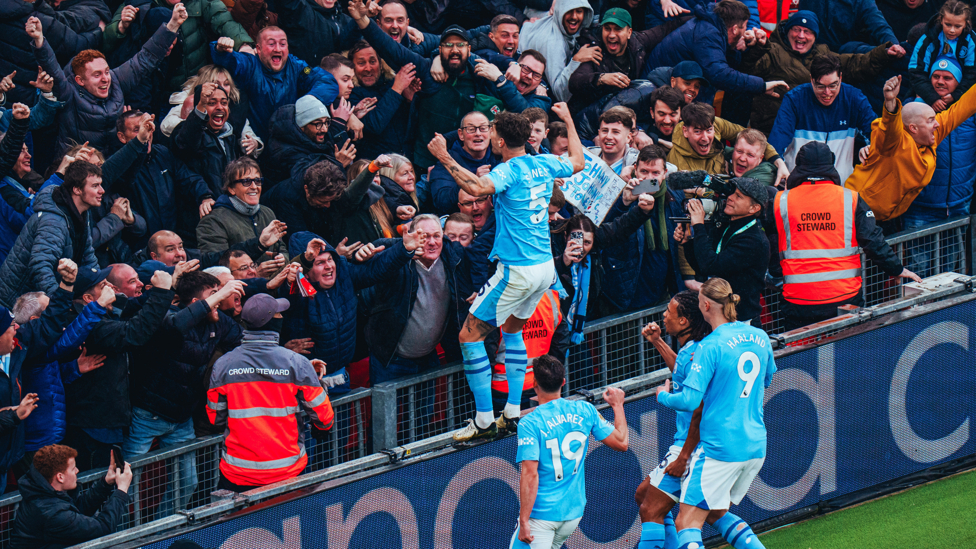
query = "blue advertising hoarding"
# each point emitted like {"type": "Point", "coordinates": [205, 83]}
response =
{"type": "Point", "coordinates": [841, 417]}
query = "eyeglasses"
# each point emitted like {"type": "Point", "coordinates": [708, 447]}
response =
{"type": "Point", "coordinates": [477, 201]}
{"type": "Point", "coordinates": [452, 45]}
{"type": "Point", "coordinates": [245, 268]}
{"type": "Point", "coordinates": [832, 87]}
{"type": "Point", "coordinates": [250, 182]}
{"type": "Point", "coordinates": [320, 124]}
{"type": "Point", "coordinates": [477, 129]}
{"type": "Point", "coordinates": [530, 73]}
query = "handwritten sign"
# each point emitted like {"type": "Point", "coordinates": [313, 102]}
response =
{"type": "Point", "coordinates": [593, 190]}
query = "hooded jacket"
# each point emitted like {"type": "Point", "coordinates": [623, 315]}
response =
{"type": "Point", "coordinates": [685, 157]}
{"type": "Point", "coordinates": [12, 220]}
{"type": "Point", "coordinates": [314, 31]}
{"type": "Point", "coordinates": [583, 83]}
{"type": "Point", "coordinates": [89, 118]}
{"type": "Point", "coordinates": [816, 161]}
{"type": "Point", "coordinates": [49, 235]}
{"type": "Point", "coordinates": [548, 36]}
{"type": "Point", "coordinates": [777, 60]}
{"type": "Point", "coordinates": [330, 316]}
{"type": "Point", "coordinates": [17, 47]}
{"type": "Point", "coordinates": [704, 39]}
{"type": "Point", "coordinates": [224, 226]}
{"type": "Point", "coordinates": [52, 519]}
{"type": "Point", "coordinates": [897, 169]}
{"type": "Point", "coordinates": [928, 49]}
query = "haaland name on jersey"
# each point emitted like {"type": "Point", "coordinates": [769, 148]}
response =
{"type": "Point", "coordinates": [745, 338]}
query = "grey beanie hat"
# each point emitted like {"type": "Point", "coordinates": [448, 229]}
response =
{"type": "Point", "coordinates": [308, 108]}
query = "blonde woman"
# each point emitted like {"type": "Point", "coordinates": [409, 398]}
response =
{"type": "Point", "coordinates": [400, 185]}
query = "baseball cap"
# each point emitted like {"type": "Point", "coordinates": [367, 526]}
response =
{"type": "Point", "coordinates": [455, 30]}
{"type": "Point", "coordinates": [689, 70]}
{"type": "Point", "coordinates": [261, 308]}
{"type": "Point", "coordinates": [617, 16]}
{"type": "Point", "coordinates": [88, 278]}
{"type": "Point", "coordinates": [752, 188]}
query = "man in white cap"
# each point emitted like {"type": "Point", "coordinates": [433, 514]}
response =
{"type": "Point", "coordinates": [262, 445]}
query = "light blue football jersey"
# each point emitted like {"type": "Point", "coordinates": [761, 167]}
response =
{"type": "Point", "coordinates": [557, 435]}
{"type": "Point", "coordinates": [523, 187]}
{"type": "Point", "coordinates": [733, 366]}
{"type": "Point", "coordinates": [682, 363]}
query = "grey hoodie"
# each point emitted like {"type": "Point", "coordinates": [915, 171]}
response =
{"type": "Point", "coordinates": [548, 36]}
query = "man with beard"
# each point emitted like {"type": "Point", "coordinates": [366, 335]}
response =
{"type": "Point", "coordinates": [168, 386]}
{"type": "Point", "coordinates": [686, 77]}
{"type": "Point", "coordinates": [556, 37]}
{"type": "Point", "coordinates": [441, 107]}
{"type": "Point", "coordinates": [473, 151]}
{"type": "Point", "coordinates": [300, 137]}
{"type": "Point", "coordinates": [825, 110]}
{"type": "Point", "coordinates": [272, 78]}
{"type": "Point", "coordinates": [666, 103]}
{"type": "Point", "coordinates": [698, 142]}
{"type": "Point", "coordinates": [387, 127]}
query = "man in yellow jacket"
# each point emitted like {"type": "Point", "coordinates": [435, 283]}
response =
{"type": "Point", "coordinates": [901, 160]}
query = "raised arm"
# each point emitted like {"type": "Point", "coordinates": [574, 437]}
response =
{"type": "Point", "coordinates": [46, 58]}
{"type": "Point", "coordinates": [471, 183]}
{"type": "Point", "coordinates": [619, 439]}
{"type": "Point", "coordinates": [575, 152]}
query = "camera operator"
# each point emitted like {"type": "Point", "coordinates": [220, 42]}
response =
{"type": "Point", "coordinates": [738, 250]}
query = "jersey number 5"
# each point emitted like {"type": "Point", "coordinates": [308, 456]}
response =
{"type": "Point", "coordinates": [557, 462]}
{"type": "Point", "coordinates": [539, 202]}
{"type": "Point", "coordinates": [750, 376]}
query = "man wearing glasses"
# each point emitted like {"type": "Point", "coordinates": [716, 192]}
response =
{"type": "Point", "coordinates": [300, 137]}
{"type": "Point", "coordinates": [440, 106]}
{"type": "Point", "coordinates": [827, 111]}
{"type": "Point", "coordinates": [473, 151]}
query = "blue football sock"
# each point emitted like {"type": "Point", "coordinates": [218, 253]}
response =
{"type": "Point", "coordinates": [478, 371]}
{"type": "Point", "coordinates": [737, 532]}
{"type": "Point", "coordinates": [670, 532]}
{"type": "Point", "coordinates": [515, 364]}
{"type": "Point", "coordinates": [690, 538]}
{"type": "Point", "coordinates": [652, 536]}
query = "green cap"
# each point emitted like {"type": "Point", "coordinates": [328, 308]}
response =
{"type": "Point", "coordinates": [617, 16]}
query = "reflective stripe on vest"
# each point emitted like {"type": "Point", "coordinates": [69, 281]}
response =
{"type": "Point", "coordinates": [264, 465]}
{"type": "Point", "coordinates": [811, 274]}
{"type": "Point", "coordinates": [258, 411]}
{"type": "Point", "coordinates": [547, 311]}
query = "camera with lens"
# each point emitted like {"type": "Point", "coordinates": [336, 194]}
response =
{"type": "Point", "coordinates": [710, 189]}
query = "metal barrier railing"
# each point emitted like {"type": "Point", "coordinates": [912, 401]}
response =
{"type": "Point", "coordinates": [420, 410]}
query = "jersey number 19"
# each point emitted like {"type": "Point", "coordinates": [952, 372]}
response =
{"type": "Point", "coordinates": [554, 447]}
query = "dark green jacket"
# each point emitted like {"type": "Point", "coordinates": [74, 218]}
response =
{"type": "Point", "coordinates": [208, 20]}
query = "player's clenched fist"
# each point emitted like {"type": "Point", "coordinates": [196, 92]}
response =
{"type": "Point", "coordinates": [651, 332]}
{"type": "Point", "coordinates": [437, 146]}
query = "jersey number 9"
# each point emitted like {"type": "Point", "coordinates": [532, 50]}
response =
{"type": "Point", "coordinates": [750, 376]}
{"type": "Point", "coordinates": [557, 462]}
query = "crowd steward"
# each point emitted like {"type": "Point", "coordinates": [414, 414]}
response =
{"type": "Point", "coordinates": [189, 188]}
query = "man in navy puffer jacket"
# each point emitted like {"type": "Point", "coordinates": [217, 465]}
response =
{"type": "Point", "coordinates": [329, 317]}
{"type": "Point", "coordinates": [62, 365]}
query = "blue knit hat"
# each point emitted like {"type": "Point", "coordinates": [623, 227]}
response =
{"type": "Point", "coordinates": [803, 18]}
{"type": "Point", "coordinates": [949, 64]}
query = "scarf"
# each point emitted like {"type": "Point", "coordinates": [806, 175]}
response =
{"type": "Point", "coordinates": [580, 273]}
{"type": "Point", "coordinates": [244, 208]}
{"type": "Point", "coordinates": [652, 238]}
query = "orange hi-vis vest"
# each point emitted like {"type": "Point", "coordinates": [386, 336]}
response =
{"type": "Point", "coordinates": [537, 333]}
{"type": "Point", "coordinates": [818, 243]}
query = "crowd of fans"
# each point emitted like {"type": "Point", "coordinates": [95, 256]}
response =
{"type": "Point", "coordinates": [162, 163]}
